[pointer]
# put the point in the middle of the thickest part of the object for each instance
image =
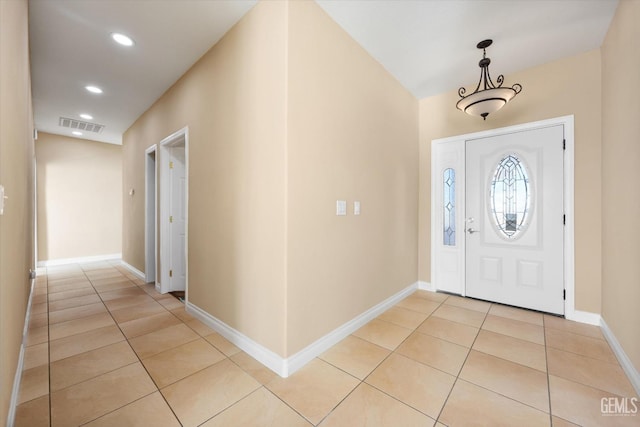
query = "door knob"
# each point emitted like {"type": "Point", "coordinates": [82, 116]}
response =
{"type": "Point", "coordinates": [471, 231]}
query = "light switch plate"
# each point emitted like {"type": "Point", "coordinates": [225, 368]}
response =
{"type": "Point", "coordinates": [341, 207]}
{"type": "Point", "coordinates": [356, 207]}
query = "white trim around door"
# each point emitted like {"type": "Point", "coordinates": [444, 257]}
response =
{"type": "Point", "coordinates": [164, 159]}
{"type": "Point", "coordinates": [449, 151]}
{"type": "Point", "coordinates": [151, 216]}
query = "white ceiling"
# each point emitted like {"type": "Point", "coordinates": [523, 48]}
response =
{"type": "Point", "coordinates": [428, 45]}
{"type": "Point", "coordinates": [71, 47]}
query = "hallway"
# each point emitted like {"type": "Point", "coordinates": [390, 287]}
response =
{"type": "Point", "coordinates": [105, 349]}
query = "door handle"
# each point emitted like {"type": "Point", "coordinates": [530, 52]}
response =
{"type": "Point", "coordinates": [471, 231]}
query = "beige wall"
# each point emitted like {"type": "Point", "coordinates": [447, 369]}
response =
{"type": "Point", "coordinates": [286, 115]}
{"type": "Point", "coordinates": [352, 135]}
{"type": "Point", "coordinates": [233, 101]}
{"type": "Point", "coordinates": [571, 86]}
{"type": "Point", "coordinates": [16, 174]}
{"type": "Point", "coordinates": [79, 188]}
{"type": "Point", "coordinates": [620, 177]}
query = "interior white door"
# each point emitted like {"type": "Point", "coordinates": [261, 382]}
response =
{"type": "Point", "coordinates": [150, 214]}
{"type": "Point", "coordinates": [177, 206]}
{"type": "Point", "coordinates": [514, 219]}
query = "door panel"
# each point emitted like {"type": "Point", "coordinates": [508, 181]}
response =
{"type": "Point", "coordinates": [514, 219]}
{"type": "Point", "coordinates": [178, 214]}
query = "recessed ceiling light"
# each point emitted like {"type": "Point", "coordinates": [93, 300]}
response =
{"type": "Point", "coordinates": [86, 116]}
{"type": "Point", "coordinates": [93, 89]}
{"type": "Point", "coordinates": [122, 39]}
{"type": "Point", "coordinates": [75, 132]}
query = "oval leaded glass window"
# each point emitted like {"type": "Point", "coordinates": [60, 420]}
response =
{"type": "Point", "coordinates": [510, 196]}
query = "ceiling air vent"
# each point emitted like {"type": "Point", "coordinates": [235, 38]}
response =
{"type": "Point", "coordinates": [80, 125]}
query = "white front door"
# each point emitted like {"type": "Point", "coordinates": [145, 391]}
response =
{"type": "Point", "coordinates": [514, 219]}
{"type": "Point", "coordinates": [177, 206]}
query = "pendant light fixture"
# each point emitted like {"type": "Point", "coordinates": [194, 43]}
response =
{"type": "Point", "coordinates": [487, 98]}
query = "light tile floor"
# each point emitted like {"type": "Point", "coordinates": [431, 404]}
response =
{"type": "Point", "coordinates": [105, 349]}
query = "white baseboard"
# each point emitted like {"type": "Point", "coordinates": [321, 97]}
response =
{"type": "Point", "coordinates": [15, 392]}
{"type": "Point", "coordinates": [426, 286]}
{"type": "Point", "coordinates": [583, 317]}
{"type": "Point", "coordinates": [80, 260]}
{"type": "Point", "coordinates": [134, 270]}
{"type": "Point", "coordinates": [287, 366]}
{"type": "Point", "coordinates": [262, 354]}
{"type": "Point", "coordinates": [323, 344]}
{"type": "Point", "coordinates": [625, 362]}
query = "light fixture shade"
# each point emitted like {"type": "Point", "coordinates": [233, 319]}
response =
{"type": "Point", "coordinates": [487, 101]}
{"type": "Point", "coordinates": [490, 98]}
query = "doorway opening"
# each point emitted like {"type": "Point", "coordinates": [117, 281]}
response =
{"type": "Point", "coordinates": [498, 251]}
{"type": "Point", "coordinates": [174, 218]}
{"type": "Point", "coordinates": [150, 215]}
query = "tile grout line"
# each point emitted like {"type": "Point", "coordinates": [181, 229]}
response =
{"type": "Point", "coordinates": [494, 391]}
{"type": "Point", "coordinates": [463, 363]}
{"type": "Point", "coordinates": [48, 350]}
{"type": "Point", "coordinates": [402, 355]}
{"type": "Point", "coordinates": [254, 391]}
{"type": "Point", "coordinates": [361, 381]}
{"type": "Point", "coordinates": [413, 330]}
{"type": "Point", "coordinates": [574, 381]}
{"type": "Point", "coordinates": [149, 374]}
{"type": "Point", "coordinates": [546, 364]}
{"type": "Point", "coordinates": [125, 339]}
{"type": "Point", "coordinates": [114, 320]}
{"type": "Point", "coordinates": [440, 304]}
{"type": "Point", "coordinates": [288, 406]}
{"type": "Point", "coordinates": [49, 362]}
{"type": "Point", "coordinates": [137, 355]}
{"type": "Point", "coordinates": [134, 352]}
{"type": "Point", "coordinates": [583, 355]}
{"type": "Point", "coordinates": [233, 404]}
{"type": "Point", "coordinates": [347, 395]}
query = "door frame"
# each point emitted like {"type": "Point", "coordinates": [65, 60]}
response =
{"type": "Point", "coordinates": [151, 215]}
{"type": "Point", "coordinates": [569, 178]}
{"type": "Point", "coordinates": [174, 139]}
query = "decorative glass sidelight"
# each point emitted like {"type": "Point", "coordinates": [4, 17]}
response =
{"type": "Point", "coordinates": [510, 196]}
{"type": "Point", "coordinates": [449, 207]}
